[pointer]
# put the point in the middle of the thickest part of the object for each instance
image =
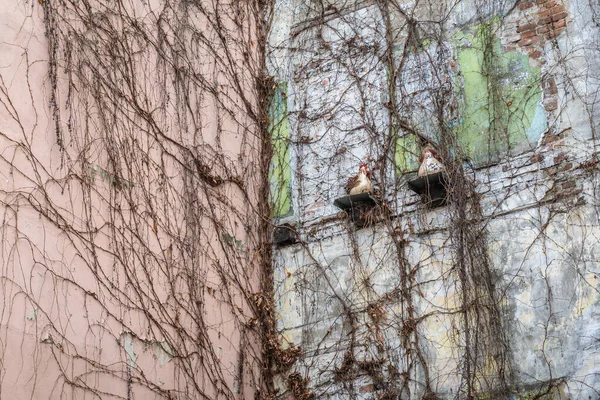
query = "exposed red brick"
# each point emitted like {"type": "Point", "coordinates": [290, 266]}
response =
{"type": "Point", "coordinates": [569, 185]}
{"type": "Point", "coordinates": [566, 167]}
{"type": "Point", "coordinates": [525, 6]}
{"type": "Point", "coordinates": [536, 158]}
{"type": "Point", "coordinates": [557, 9]}
{"type": "Point", "coordinates": [559, 24]}
{"type": "Point", "coordinates": [540, 2]}
{"type": "Point", "coordinates": [542, 29]}
{"type": "Point", "coordinates": [549, 139]}
{"type": "Point", "coordinates": [546, 13]}
{"type": "Point", "coordinates": [551, 88]}
{"type": "Point", "coordinates": [550, 104]}
{"type": "Point", "coordinates": [560, 168]}
{"type": "Point", "coordinates": [555, 33]}
{"type": "Point", "coordinates": [559, 16]}
{"type": "Point", "coordinates": [535, 54]}
{"type": "Point", "coordinates": [549, 83]}
{"type": "Point", "coordinates": [560, 157]}
{"type": "Point", "coordinates": [525, 27]}
{"type": "Point", "coordinates": [528, 41]}
{"type": "Point", "coordinates": [527, 34]}
{"type": "Point", "coordinates": [367, 388]}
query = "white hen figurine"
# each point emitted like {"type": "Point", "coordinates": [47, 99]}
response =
{"type": "Point", "coordinates": [430, 164]}
{"type": "Point", "coordinates": [361, 183]}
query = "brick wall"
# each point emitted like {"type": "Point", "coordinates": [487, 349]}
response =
{"type": "Point", "coordinates": [536, 23]}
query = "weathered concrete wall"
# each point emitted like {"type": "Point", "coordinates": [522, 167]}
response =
{"type": "Point", "coordinates": [378, 310]}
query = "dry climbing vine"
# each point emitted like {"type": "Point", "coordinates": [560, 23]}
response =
{"type": "Point", "coordinates": [406, 299]}
{"type": "Point", "coordinates": [144, 263]}
{"type": "Point", "coordinates": [149, 147]}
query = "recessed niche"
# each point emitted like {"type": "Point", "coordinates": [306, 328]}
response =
{"type": "Point", "coordinates": [284, 235]}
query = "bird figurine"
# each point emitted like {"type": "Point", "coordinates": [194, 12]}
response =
{"type": "Point", "coordinates": [430, 163]}
{"type": "Point", "coordinates": [361, 183]}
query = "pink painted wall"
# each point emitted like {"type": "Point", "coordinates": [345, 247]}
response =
{"type": "Point", "coordinates": [129, 254]}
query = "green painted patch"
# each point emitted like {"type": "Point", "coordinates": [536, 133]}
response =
{"type": "Point", "coordinates": [280, 173]}
{"type": "Point", "coordinates": [407, 154]}
{"type": "Point", "coordinates": [501, 95]}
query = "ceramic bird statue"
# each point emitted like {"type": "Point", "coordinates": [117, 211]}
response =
{"type": "Point", "coordinates": [361, 183]}
{"type": "Point", "coordinates": [430, 164]}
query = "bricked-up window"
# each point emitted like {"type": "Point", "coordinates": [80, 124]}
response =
{"type": "Point", "coordinates": [501, 95]}
{"type": "Point", "coordinates": [280, 174]}
{"type": "Point", "coordinates": [499, 100]}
